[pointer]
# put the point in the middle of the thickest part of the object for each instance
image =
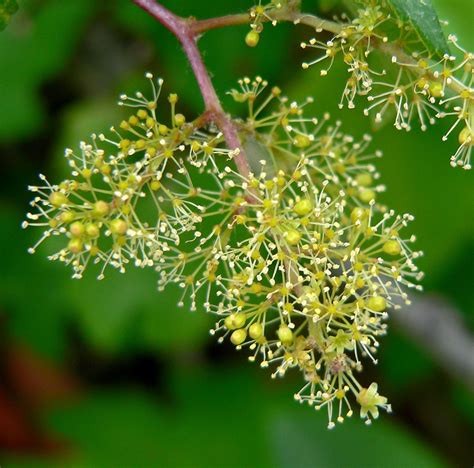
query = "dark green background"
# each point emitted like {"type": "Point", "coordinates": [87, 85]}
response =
{"type": "Point", "coordinates": [150, 386]}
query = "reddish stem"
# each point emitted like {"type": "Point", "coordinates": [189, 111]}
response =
{"type": "Point", "coordinates": [200, 26]}
{"type": "Point", "coordinates": [187, 36]}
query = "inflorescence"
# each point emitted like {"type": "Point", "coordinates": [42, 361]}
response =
{"type": "Point", "coordinates": [298, 260]}
{"type": "Point", "coordinates": [415, 86]}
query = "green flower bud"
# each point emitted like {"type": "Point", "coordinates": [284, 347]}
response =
{"type": "Point", "coordinates": [302, 141]}
{"type": "Point", "coordinates": [67, 217]}
{"type": "Point", "coordinates": [285, 335]}
{"type": "Point", "coordinates": [238, 336]}
{"type": "Point", "coordinates": [377, 303]}
{"type": "Point", "coordinates": [466, 136]}
{"type": "Point", "coordinates": [77, 229]}
{"type": "Point", "coordinates": [366, 195]}
{"type": "Point", "coordinates": [118, 226]}
{"type": "Point", "coordinates": [364, 179]}
{"type": "Point", "coordinates": [392, 247]}
{"type": "Point", "coordinates": [303, 207]}
{"type": "Point", "coordinates": [155, 185]}
{"type": "Point", "coordinates": [58, 199]}
{"type": "Point", "coordinates": [234, 321]}
{"type": "Point", "coordinates": [436, 89]}
{"type": "Point", "coordinates": [163, 129]}
{"type": "Point", "coordinates": [100, 209]}
{"type": "Point", "coordinates": [179, 120]}
{"type": "Point", "coordinates": [256, 330]}
{"type": "Point", "coordinates": [358, 214]}
{"type": "Point", "coordinates": [293, 236]}
{"type": "Point", "coordinates": [252, 38]}
{"type": "Point", "coordinates": [92, 230]}
{"type": "Point", "coordinates": [75, 245]}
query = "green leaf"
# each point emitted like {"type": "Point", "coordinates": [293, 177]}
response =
{"type": "Point", "coordinates": [125, 312]}
{"type": "Point", "coordinates": [43, 56]}
{"type": "Point", "coordinates": [257, 152]}
{"type": "Point", "coordinates": [302, 441]}
{"type": "Point", "coordinates": [7, 9]}
{"type": "Point", "coordinates": [33, 290]}
{"type": "Point", "coordinates": [424, 19]}
{"type": "Point", "coordinates": [231, 416]}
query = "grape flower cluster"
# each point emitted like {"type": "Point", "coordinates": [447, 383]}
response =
{"type": "Point", "coordinates": [297, 260]}
{"type": "Point", "coordinates": [416, 86]}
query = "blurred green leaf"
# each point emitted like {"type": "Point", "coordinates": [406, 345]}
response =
{"type": "Point", "coordinates": [459, 14]}
{"type": "Point", "coordinates": [82, 119]}
{"type": "Point", "coordinates": [402, 362]}
{"type": "Point", "coordinates": [302, 442]}
{"type": "Point", "coordinates": [30, 55]}
{"type": "Point", "coordinates": [125, 312]}
{"type": "Point", "coordinates": [7, 9]}
{"type": "Point", "coordinates": [33, 291]}
{"type": "Point", "coordinates": [227, 417]}
{"type": "Point", "coordinates": [257, 152]}
{"type": "Point", "coordinates": [424, 19]}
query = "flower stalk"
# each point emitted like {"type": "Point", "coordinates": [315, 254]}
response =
{"type": "Point", "coordinates": [187, 36]}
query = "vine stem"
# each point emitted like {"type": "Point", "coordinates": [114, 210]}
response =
{"type": "Point", "coordinates": [187, 36]}
{"type": "Point", "coordinates": [201, 26]}
{"type": "Point", "coordinates": [319, 24]}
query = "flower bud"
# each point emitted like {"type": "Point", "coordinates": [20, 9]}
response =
{"type": "Point", "coordinates": [101, 208]}
{"type": "Point", "coordinates": [466, 136]}
{"type": "Point", "coordinates": [57, 199]}
{"type": "Point", "coordinates": [118, 226]}
{"type": "Point", "coordinates": [238, 336]}
{"type": "Point", "coordinates": [366, 195]}
{"type": "Point", "coordinates": [302, 141]}
{"type": "Point", "coordinates": [392, 247]}
{"type": "Point", "coordinates": [293, 236]}
{"type": "Point", "coordinates": [77, 229]}
{"type": "Point", "coordinates": [358, 214]}
{"type": "Point", "coordinates": [163, 129]}
{"type": "Point", "coordinates": [155, 185]}
{"type": "Point", "coordinates": [285, 335]}
{"type": "Point", "coordinates": [364, 179]}
{"type": "Point", "coordinates": [142, 114]}
{"type": "Point", "coordinates": [92, 230]}
{"type": "Point", "coordinates": [179, 120]}
{"type": "Point", "coordinates": [436, 89]}
{"type": "Point", "coordinates": [67, 217]}
{"type": "Point", "coordinates": [252, 38]}
{"type": "Point", "coordinates": [75, 245]}
{"type": "Point", "coordinates": [303, 207]}
{"type": "Point", "coordinates": [234, 321]}
{"type": "Point", "coordinates": [256, 330]}
{"type": "Point", "coordinates": [377, 303]}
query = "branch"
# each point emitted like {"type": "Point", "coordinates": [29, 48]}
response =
{"type": "Point", "coordinates": [319, 24]}
{"type": "Point", "coordinates": [186, 35]}
{"type": "Point", "coordinates": [201, 26]}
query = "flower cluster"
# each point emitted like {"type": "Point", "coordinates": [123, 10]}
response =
{"type": "Point", "coordinates": [297, 259]}
{"type": "Point", "coordinates": [415, 86]}
{"type": "Point", "coordinates": [130, 194]}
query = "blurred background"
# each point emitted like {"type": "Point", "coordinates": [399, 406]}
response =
{"type": "Point", "coordinates": [111, 373]}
